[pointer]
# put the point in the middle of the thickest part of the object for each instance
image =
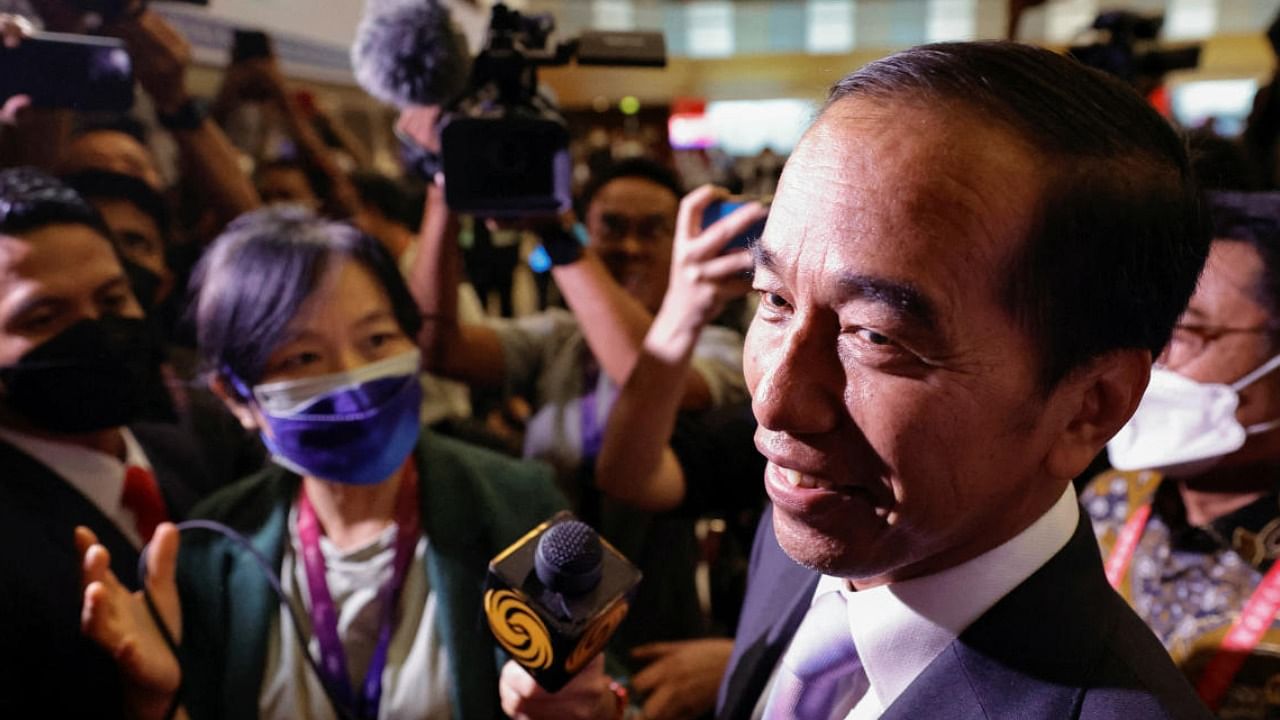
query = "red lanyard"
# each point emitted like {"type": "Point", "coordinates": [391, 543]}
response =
{"type": "Point", "coordinates": [324, 616]}
{"type": "Point", "coordinates": [1245, 632]}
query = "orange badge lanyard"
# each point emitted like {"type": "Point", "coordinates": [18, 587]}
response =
{"type": "Point", "coordinates": [1245, 632]}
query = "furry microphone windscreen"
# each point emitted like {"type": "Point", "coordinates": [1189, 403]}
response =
{"type": "Point", "coordinates": [407, 52]}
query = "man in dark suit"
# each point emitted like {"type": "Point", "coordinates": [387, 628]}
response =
{"type": "Point", "coordinates": [74, 361]}
{"type": "Point", "coordinates": [973, 256]}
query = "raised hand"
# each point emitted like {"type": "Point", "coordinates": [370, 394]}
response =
{"type": "Point", "coordinates": [682, 677]}
{"type": "Point", "coordinates": [120, 622]}
{"type": "Point", "coordinates": [160, 57]}
{"type": "Point", "coordinates": [703, 279]}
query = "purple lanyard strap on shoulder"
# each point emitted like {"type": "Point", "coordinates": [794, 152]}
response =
{"type": "Point", "coordinates": [324, 615]}
{"type": "Point", "coordinates": [592, 430]}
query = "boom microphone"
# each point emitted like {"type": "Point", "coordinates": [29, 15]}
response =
{"type": "Point", "coordinates": [408, 52]}
{"type": "Point", "coordinates": [556, 596]}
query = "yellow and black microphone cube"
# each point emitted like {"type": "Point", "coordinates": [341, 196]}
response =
{"type": "Point", "coordinates": [553, 636]}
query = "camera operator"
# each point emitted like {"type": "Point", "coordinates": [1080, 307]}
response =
{"type": "Point", "coordinates": [569, 365]}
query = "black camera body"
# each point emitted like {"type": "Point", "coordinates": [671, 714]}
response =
{"type": "Point", "coordinates": [1125, 55]}
{"type": "Point", "coordinates": [504, 143]}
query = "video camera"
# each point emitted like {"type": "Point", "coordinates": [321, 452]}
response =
{"type": "Point", "coordinates": [504, 143]}
{"type": "Point", "coordinates": [1123, 52]}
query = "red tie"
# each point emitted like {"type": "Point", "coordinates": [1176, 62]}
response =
{"type": "Point", "coordinates": [142, 497]}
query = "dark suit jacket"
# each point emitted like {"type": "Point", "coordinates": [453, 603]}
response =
{"type": "Point", "coordinates": [1060, 645]}
{"type": "Point", "coordinates": [50, 669]}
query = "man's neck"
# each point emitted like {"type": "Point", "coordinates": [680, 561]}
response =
{"type": "Point", "coordinates": [1004, 528]}
{"type": "Point", "coordinates": [352, 515]}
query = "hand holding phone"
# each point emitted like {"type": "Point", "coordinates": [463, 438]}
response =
{"type": "Point", "coordinates": [57, 70]}
{"type": "Point", "coordinates": [720, 209]}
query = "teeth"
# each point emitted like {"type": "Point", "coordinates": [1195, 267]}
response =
{"type": "Point", "coordinates": [796, 479]}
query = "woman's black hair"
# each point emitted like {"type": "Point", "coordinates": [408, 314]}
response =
{"type": "Point", "coordinates": [262, 268]}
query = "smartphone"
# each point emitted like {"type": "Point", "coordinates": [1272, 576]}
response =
{"type": "Point", "coordinates": [87, 73]}
{"type": "Point", "coordinates": [250, 45]}
{"type": "Point", "coordinates": [721, 209]}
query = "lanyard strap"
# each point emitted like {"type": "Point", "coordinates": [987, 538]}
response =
{"type": "Point", "coordinates": [592, 428]}
{"type": "Point", "coordinates": [324, 615]}
{"type": "Point", "coordinates": [1245, 632]}
{"type": "Point", "coordinates": [1247, 629]}
{"type": "Point", "coordinates": [1126, 545]}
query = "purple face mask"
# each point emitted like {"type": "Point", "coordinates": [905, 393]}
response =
{"type": "Point", "coordinates": [354, 427]}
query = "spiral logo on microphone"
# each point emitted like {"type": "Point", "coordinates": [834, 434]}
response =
{"type": "Point", "coordinates": [596, 637]}
{"type": "Point", "coordinates": [519, 629]}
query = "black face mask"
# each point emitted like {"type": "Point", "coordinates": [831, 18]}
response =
{"type": "Point", "coordinates": [89, 377]}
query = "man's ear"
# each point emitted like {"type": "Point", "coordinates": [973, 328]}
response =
{"type": "Point", "coordinates": [238, 407]}
{"type": "Point", "coordinates": [1100, 397]}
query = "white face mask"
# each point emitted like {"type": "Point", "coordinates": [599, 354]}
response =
{"type": "Point", "coordinates": [1183, 427]}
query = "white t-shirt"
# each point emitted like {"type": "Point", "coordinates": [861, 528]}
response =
{"type": "Point", "coordinates": [416, 679]}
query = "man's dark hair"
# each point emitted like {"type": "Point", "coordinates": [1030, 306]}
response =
{"type": "Point", "coordinates": [31, 199]}
{"type": "Point", "coordinates": [390, 198]}
{"type": "Point", "coordinates": [636, 167]}
{"type": "Point", "coordinates": [108, 185]}
{"type": "Point", "coordinates": [1121, 233]}
{"type": "Point", "coordinates": [1253, 219]}
{"type": "Point", "coordinates": [262, 268]}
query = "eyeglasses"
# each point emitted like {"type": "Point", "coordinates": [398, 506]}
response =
{"type": "Point", "coordinates": [1189, 340]}
{"type": "Point", "coordinates": [615, 227]}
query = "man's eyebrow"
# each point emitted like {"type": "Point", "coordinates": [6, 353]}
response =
{"type": "Point", "coordinates": [902, 298]}
{"type": "Point", "coordinates": [761, 257]}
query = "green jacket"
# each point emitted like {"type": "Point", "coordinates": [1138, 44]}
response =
{"type": "Point", "coordinates": [474, 504]}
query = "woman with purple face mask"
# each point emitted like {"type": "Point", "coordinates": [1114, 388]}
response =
{"type": "Point", "coordinates": [344, 580]}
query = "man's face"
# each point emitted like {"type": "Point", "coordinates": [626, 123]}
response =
{"type": "Point", "coordinates": [52, 278]}
{"type": "Point", "coordinates": [286, 185]}
{"type": "Point", "coordinates": [137, 235]}
{"type": "Point", "coordinates": [898, 400]}
{"type": "Point", "coordinates": [112, 151]}
{"type": "Point", "coordinates": [1226, 333]}
{"type": "Point", "coordinates": [631, 222]}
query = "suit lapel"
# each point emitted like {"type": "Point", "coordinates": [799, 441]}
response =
{"type": "Point", "coordinates": [777, 599]}
{"type": "Point", "coordinates": [48, 495]}
{"type": "Point", "coordinates": [455, 532]}
{"type": "Point", "coordinates": [1030, 655]}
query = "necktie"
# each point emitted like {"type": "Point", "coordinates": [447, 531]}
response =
{"type": "Point", "coordinates": [142, 497]}
{"type": "Point", "coordinates": [820, 655]}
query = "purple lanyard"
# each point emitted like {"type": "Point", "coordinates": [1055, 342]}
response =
{"type": "Point", "coordinates": [324, 615]}
{"type": "Point", "coordinates": [592, 431]}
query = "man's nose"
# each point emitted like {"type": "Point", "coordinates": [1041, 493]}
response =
{"type": "Point", "coordinates": [801, 382]}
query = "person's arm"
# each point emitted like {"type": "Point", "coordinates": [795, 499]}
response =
{"type": "Point", "coordinates": [161, 57]}
{"type": "Point", "coordinates": [467, 352]}
{"type": "Point", "coordinates": [636, 464]}
{"type": "Point", "coordinates": [340, 197]}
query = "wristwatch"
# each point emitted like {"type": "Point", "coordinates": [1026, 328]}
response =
{"type": "Point", "coordinates": [189, 116]}
{"type": "Point", "coordinates": [564, 247]}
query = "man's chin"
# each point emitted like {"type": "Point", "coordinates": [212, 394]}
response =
{"type": "Point", "coordinates": [850, 553]}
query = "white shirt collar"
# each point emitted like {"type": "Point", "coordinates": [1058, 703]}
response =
{"type": "Point", "coordinates": [900, 628]}
{"type": "Point", "coordinates": [95, 475]}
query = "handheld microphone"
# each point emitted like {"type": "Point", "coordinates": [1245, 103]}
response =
{"type": "Point", "coordinates": [408, 52]}
{"type": "Point", "coordinates": [556, 596]}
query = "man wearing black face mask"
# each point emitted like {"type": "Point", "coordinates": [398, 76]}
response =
{"type": "Point", "coordinates": [75, 361]}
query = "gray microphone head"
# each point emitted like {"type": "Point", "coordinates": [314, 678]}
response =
{"type": "Point", "coordinates": [569, 559]}
{"type": "Point", "coordinates": [407, 52]}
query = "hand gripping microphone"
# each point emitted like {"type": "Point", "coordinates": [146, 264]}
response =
{"type": "Point", "coordinates": [556, 596]}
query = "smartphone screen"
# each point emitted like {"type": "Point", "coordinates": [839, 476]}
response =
{"type": "Point", "coordinates": [722, 208]}
{"type": "Point", "coordinates": [58, 70]}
